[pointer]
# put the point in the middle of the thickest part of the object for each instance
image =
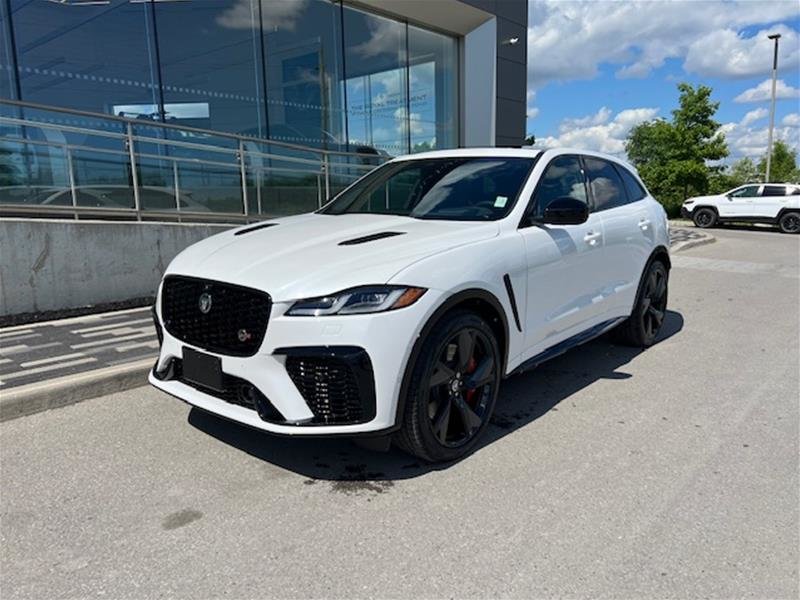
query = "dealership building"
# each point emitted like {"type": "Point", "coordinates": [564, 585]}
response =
{"type": "Point", "coordinates": [232, 110]}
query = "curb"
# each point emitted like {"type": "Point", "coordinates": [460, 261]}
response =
{"type": "Point", "coordinates": [71, 389]}
{"type": "Point", "coordinates": [685, 245]}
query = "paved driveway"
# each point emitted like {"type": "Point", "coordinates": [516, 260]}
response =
{"type": "Point", "coordinates": [608, 472]}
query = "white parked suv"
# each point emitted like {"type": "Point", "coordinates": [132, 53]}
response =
{"type": "Point", "coordinates": [773, 203]}
{"type": "Point", "coordinates": [397, 308]}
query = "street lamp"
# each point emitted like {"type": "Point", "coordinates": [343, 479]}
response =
{"type": "Point", "coordinates": [776, 37]}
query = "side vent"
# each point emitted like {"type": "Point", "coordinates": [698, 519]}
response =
{"type": "Point", "coordinates": [254, 228]}
{"type": "Point", "coordinates": [371, 238]}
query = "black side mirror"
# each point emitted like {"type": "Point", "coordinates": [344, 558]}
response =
{"type": "Point", "coordinates": [565, 211]}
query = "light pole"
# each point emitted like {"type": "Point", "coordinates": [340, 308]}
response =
{"type": "Point", "coordinates": [776, 37]}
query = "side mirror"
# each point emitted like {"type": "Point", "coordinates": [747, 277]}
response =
{"type": "Point", "coordinates": [565, 211]}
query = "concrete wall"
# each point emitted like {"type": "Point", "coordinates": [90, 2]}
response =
{"type": "Point", "coordinates": [55, 265]}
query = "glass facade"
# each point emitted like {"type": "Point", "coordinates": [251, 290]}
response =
{"type": "Point", "coordinates": [317, 73]}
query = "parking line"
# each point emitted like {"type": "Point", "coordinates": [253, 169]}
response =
{"type": "Point", "coordinates": [111, 341]}
{"type": "Point", "coordinates": [111, 326]}
{"type": "Point", "coordinates": [45, 369]}
{"type": "Point", "coordinates": [52, 359]}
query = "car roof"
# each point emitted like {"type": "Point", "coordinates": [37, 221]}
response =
{"type": "Point", "coordinates": [522, 152]}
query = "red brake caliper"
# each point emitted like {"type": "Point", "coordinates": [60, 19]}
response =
{"type": "Point", "coordinates": [471, 366]}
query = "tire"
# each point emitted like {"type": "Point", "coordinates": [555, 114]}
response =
{"type": "Point", "coordinates": [704, 218]}
{"type": "Point", "coordinates": [641, 328]}
{"type": "Point", "coordinates": [452, 389]}
{"type": "Point", "coordinates": [790, 222]}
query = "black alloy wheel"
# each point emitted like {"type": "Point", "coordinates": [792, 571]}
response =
{"type": "Point", "coordinates": [790, 222]}
{"type": "Point", "coordinates": [654, 302]}
{"type": "Point", "coordinates": [461, 387]}
{"type": "Point", "coordinates": [452, 388]}
{"type": "Point", "coordinates": [641, 328]}
{"type": "Point", "coordinates": [704, 218]}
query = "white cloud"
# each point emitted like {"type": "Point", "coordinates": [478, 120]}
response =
{"type": "Point", "coordinates": [728, 54]}
{"type": "Point", "coordinates": [599, 131]}
{"type": "Point", "coordinates": [746, 140]}
{"type": "Point", "coordinates": [791, 120]}
{"type": "Point", "coordinates": [569, 39]}
{"type": "Point", "coordinates": [244, 13]}
{"type": "Point", "coordinates": [754, 115]}
{"type": "Point", "coordinates": [763, 91]}
{"type": "Point", "coordinates": [531, 111]}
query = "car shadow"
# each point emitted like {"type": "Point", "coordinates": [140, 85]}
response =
{"type": "Point", "coordinates": [523, 399]}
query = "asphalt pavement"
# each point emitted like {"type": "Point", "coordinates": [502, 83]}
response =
{"type": "Point", "coordinates": [608, 472]}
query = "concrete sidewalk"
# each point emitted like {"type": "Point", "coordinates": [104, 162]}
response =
{"type": "Point", "coordinates": [55, 363]}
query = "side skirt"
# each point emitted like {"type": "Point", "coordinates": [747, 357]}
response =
{"type": "Point", "coordinates": [568, 344]}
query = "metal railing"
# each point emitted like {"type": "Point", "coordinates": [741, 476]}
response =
{"type": "Point", "coordinates": [68, 163]}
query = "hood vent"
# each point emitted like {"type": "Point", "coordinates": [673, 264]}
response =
{"type": "Point", "coordinates": [254, 227]}
{"type": "Point", "coordinates": [371, 238]}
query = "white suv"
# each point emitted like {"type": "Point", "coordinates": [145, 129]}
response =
{"type": "Point", "coordinates": [773, 203]}
{"type": "Point", "coordinates": [397, 308]}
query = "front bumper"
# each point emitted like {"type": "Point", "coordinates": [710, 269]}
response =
{"type": "Point", "coordinates": [386, 339]}
{"type": "Point", "coordinates": [685, 213]}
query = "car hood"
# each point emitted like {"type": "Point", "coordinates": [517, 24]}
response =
{"type": "Point", "coordinates": [302, 256]}
{"type": "Point", "coordinates": [705, 198]}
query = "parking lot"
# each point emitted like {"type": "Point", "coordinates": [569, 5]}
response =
{"type": "Point", "coordinates": [608, 472]}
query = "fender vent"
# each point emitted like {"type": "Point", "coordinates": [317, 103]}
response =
{"type": "Point", "coordinates": [371, 238]}
{"type": "Point", "coordinates": [254, 227]}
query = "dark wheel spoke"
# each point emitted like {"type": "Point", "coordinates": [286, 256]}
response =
{"type": "Point", "coordinates": [661, 288]}
{"type": "Point", "coordinates": [441, 420]}
{"type": "Point", "coordinates": [468, 416]}
{"type": "Point", "coordinates": [484, 373]}
{"type": "Point", "coordinates": [466, 346]}
{"type": "Point", "coordinates": [657, 316]}
{"type": "Point", "coordinates": [441, 374]}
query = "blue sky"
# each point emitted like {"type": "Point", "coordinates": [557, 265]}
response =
{"type": "Point", "coordinates": [596, 68]}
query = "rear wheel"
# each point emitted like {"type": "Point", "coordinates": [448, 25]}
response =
{"type": "Point", "coordinates": [452, 390]}
{"type": "Point", "coordinates": [704, 218]}
{"type": "Point", "coordinates": [642, 327]}
{"type": "Point", "coordinates": [790, 222]}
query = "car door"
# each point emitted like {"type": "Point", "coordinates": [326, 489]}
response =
{"type": "Point", "coordinates": [770, 200]}
{"type": "Point", "coordinates": [739, 202]}
{"type": "Point", "coordinates": [565, 265]}
{"type": "Point", "coordinates": [620, 200]}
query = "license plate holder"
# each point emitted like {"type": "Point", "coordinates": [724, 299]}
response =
{"type": "Point", "coordinates": [202, 369]}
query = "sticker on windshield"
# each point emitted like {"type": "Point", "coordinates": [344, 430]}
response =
{"type": "Point", "coordinates": [500, 201]}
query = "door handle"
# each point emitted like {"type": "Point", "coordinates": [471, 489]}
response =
{"type": "Point", "coordinates": [591, 238]}
{"type": "Point", "coordinates": [644, 224]}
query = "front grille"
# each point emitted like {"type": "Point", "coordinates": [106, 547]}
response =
{"type": "Point", "coordinates": [235, 391]}
{"type": "Point", "coordinates": [235, 321]}
{"type": "Point", "coordinates": [336, 383]}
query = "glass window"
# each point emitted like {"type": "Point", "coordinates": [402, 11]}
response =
{"type": "Point", "coordinates": [7, 71]}
{"type": "Point", "coordinates": [303, 50]}
{"type": "Point", "coordinates": [210, 55]}
{"type": "Point", "coordinates": [433, 85]}
{"type": "Point", "coordinates": [563, 178]}
{"type": "Point", "coordinates": [635, 190]}
{"type": "Point", "coordinates": [607, 188]}
{"type": "Point", "coordinates": [773, 190]}
{"type": "Point", "coordinates": [748, 191]}
{"type": "Point", "coordinates": [375, 84]}
{"type": "Point", "coordinates": [458, 189]}
{"type": "Point", "coordinates": [91, 56]}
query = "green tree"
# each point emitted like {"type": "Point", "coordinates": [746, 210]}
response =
{"type": "Point", "coordinates": [672, 156]}
{"type": "Point", "coordinates": [744, 171]}
{"type": "Point", "coordinates": [784, 164]}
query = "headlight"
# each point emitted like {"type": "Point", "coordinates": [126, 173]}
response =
{"type": "Point", "coordinates": [368, 299]}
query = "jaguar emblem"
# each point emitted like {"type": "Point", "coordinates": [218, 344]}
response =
{"type": "Point", "coordinates": [204, 303]}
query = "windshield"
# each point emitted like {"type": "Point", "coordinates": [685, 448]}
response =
{"type": "Point", "coordinates": [455, 188]}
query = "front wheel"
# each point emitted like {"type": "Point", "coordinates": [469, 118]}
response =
{"type": "Point", "coordinates": [642, 327]}
{"type": "Point", "coordinates": [704, 218]}
{"type": "Point", "coordinates": [452, 389]}
{"type": "Point", "coordinates": [790, 222]}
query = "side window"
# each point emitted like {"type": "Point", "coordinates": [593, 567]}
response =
{"type": "Point", "coordinates": [795, 191]}
{"type": "Point", "coordinates": [607, 188]}
{"type": "Point", "coordinates": [635, 190]}
{"type": "Point", "coordinates": [748, 191]}
{"type": "Point", "coordinates": [773, 190]}
{"type": "Point", "coordinates": [562, 178]}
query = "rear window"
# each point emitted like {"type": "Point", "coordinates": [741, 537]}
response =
{"type": "Point", "coordinates": [774, 190]}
